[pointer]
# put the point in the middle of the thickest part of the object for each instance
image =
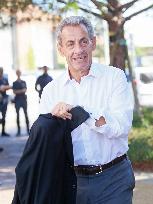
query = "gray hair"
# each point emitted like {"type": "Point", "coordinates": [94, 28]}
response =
{"type": "Point", "coordinates": [73, 21]}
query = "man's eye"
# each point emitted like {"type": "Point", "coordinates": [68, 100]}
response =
{"type": "Point", "coordinates": [84, 42]}
{"type": "Point", "coordinates": [70, 45]}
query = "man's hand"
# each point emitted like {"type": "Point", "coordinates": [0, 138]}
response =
{"type": "Point", "coordinates": [5, 88]}
{"type": "Point", "coordinates": [61, 110]}
{"type": "Point", "coordinates": [2, 88]}
{"type": "Point", "coordinates": [100, 122]}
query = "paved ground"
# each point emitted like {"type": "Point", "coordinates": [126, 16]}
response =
{"type": "Point", "coordinates": [13, 146]}
{"type": "Point", "coordinates": [8, 160]}
{"type": "Point", "coordinates": [143, 193]}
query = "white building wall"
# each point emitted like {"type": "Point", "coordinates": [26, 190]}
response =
{"type": "Point", "coordinates": [6, 49]}
{"type": "Point", "coordinates": [41, 39]}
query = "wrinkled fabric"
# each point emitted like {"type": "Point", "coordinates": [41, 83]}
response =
{"type": "Point", "coordinates": [45, 174]}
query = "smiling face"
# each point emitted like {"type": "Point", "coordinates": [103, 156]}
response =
{"type": "Point", "coordinates": [77, 48]}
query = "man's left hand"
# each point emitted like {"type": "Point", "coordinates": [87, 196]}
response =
{"type": "Point", "coordinates": [100, 122]}
{"type": "Point", "coordinates": [61, 110]}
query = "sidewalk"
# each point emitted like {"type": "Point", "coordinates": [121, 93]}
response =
{"type": "Point", "coordinates": [143, 193]}
{"type": "Point", "coordinates": [8, 159]}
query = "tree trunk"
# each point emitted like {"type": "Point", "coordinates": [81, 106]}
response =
{"type": "Point", "coordinates": [119, 56]}
{"type": "Point", "coordinates": [117, 44]}
{"type": "Point", "coordinates": [117, 41]}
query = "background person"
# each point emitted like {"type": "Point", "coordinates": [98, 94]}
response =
{"type": "Point", "coordinates": [100, 144]}
{"type": "Point", "coordinates": [42, 80]}
{"type": "Point", "coordinates": [19, 89]}
{"type": "Point", "coordinates": [4, 86]}
{"type": "Point", "coordinates": [1, 148]}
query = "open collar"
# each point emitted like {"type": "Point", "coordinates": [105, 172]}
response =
{"type": "Point", "coordinates": [95, 71]}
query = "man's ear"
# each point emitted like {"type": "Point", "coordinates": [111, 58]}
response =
{"type": "Point", "coordinates": [60, 49]}
{"type": "Point", "coordinates": [94, 43]}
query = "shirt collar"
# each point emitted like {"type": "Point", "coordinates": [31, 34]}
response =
{"type": "Point", "coordinates": [66, 77]}
{"type": "Point", "coordinates": [95, 71]}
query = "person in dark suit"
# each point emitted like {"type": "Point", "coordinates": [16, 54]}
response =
{"type": "Point", "coordinates": [4, 86]}
{"type": "Point", "coordinates": [42, 80]}
{"type": "Point", "coordinates": [19, 89]}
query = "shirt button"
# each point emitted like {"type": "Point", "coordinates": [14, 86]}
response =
{"type": "Point", "coordinates": [73, 186]}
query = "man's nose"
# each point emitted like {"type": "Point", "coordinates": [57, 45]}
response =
{"type": "Point", "coordinates": [78, 48]}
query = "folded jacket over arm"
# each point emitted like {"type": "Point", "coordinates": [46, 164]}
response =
{"type": "Point", "coordinates": [45, 173]}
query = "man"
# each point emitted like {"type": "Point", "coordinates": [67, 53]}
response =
{"type": "Point", "coordinates": [4, 86]}
{"type": "Point", "coordinates": [104, 173]}
{"type": "Point", "coordinates": [42, 80]}
{"type": "Point", "coordinates": [19, 89]}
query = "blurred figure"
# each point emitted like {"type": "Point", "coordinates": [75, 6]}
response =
{"type": "Point", "coordinates": [42, 80]}
{"type": "Point", "coordinates": [1, 149]}
{"type": "Point", "coordinates": [4, 86]}
{"type": "Point", "coordinates": [19, 89]}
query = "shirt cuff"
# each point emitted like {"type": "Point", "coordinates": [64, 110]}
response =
{"type": "Point", "coordinates": [90, 122]}
{"type": "Point", "coordinates": [95, 114]}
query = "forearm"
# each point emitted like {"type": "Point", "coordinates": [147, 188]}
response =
{"type": "Point", "coordinates": [19, 91]}
{"type": "Point", "coordinates": [117, 113]}
{"type": "Point", "coordinates": [5, 88]}
{"type": "Point", "coordinates": [111, 124]}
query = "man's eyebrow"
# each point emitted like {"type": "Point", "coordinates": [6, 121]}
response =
{"type": "Point", "coordinates": [69, 42]}
{"type": "Point", "coordinates": [84, 38]}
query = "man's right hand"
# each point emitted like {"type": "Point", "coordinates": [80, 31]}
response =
{"type": "Point", "coordinates": [61, 110]}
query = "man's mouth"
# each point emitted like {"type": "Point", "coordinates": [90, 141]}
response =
{"type": "Point", "coordinates": [80, 58]}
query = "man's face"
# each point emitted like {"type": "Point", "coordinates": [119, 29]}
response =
{"type": "Point", "coordinates": [18, 73]}
{"type": "Point", "coordinates": [45, 69]}
{"type": "Point", "coordinates": [77, 47]}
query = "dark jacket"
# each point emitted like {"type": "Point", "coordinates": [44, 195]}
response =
{"type": "Point", "coordinates": [45, 174]}
{"type": "Point", "coordinates": [41, 82]}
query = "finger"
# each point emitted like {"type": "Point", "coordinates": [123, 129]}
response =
{"type": "Point", "coordinates": [55, 112]}
{"type": "Point", "coordinates": [68, 107]}
{"type": "Point", "coordinates": [66, 115]}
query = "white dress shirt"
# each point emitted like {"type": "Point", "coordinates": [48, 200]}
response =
{"type": "Point", "coordinates": [103, 92]}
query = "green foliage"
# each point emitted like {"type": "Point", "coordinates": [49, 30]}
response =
{"type": "Point", "coordinates": [145, 120]}
{"type": "Point", "coordinates": [148, 114]}
{"type": "Point", "coordinates": [137, 121]}
{"type": "Point", "coordinates": [31, 59]}
{"type": "Point", "coordinates": [61, 65]}
{"type": "Point", "coordinates": [141, 137]}
{"type": "Point", "coordinates": [140, 149]}
{"type": "Point", "coordinates": [70, 6]}
{"type": "Point", "coordinates": [50, 6]}
{"type": "Point", "coordinates": [143, 51]}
